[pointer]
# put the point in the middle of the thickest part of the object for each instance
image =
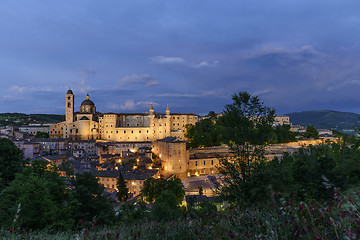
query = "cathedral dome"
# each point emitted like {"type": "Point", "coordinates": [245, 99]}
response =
{"type": "Point", "coordinates": [87, 106]}
{"type": "Point", "coordinates": [87, 101]}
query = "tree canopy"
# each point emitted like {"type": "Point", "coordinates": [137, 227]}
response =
{"type": "Point", "coordinates": [11, 160]}
{"type": "Point", "coordinates": [122, 192]}
{"type": "Point", "coordinates": [90, 203]}
{"type": "Point", "coordinates": [152, 189]}
{"type": "Point", "coordinates": [246, 126]}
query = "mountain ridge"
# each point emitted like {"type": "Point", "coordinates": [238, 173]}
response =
{"type": "Point", "coordinates": [326, 119]}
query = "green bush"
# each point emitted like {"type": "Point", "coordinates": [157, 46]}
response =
{"type": "Point", "coordinates": [166, 207]}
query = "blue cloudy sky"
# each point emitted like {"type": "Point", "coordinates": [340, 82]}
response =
{"type": "Point", "coordinates": [191, 54]}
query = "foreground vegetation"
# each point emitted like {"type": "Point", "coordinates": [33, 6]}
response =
{"type": "Point", "coordinates": [284, 218]}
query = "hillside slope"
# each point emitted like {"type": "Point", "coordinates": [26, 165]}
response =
{"type": "Point", "coordinates": [18, 119]}
{"type": "Point", "coordinates": [326, 119]}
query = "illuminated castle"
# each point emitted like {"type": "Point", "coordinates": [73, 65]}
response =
{"type": "Point", "coordinates": [90, 124]}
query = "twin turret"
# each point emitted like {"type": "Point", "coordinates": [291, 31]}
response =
{"type": "Point", "coordinates": [151, 110]}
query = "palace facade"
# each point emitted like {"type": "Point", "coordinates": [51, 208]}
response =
{"type": "Point", "coordinates": [89, 124]}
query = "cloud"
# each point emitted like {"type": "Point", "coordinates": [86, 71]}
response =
{"type": "Point", "coordinates": [268, 49]}
{"type": "Point", "coordinates": [130, 105]}
{"type": "Point", "coordinates": [206, 64]}
{"type": "Point", "coordinates": [85, 75]}
{"type": "Point", "coordinates": [20, 92]}
{"type": "Point", "coordinates": [145, 79]}
{"type": "Point", "coordinates": [262, 92]}
{"type": "Point", "coordinates": [176, 95]}
{"type": "Point", "coordinates": [167, 60]}
{"type": "Point", "coordinates": [179, 60]}
{"type": "Point", "coordinates": [344, 84]}
{"type": "Point", "coordinates": [214, 93]}
{"type": "Point", "coordinates": [16, 89]}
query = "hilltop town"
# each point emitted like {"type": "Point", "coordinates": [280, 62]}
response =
{"type": "Point", "coordinates": [139, 145]}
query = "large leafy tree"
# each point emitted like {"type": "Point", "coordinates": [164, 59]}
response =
{"type": "Point", "coordinates": [122, 192]}
{"type": "Point", "coordinates": [246, 128]}
{"type": "Point", "coordinates": [311, 132]}
{"type": "Point", "coordinates": [89, 201]}
{"type": "Point", "coordinates": [11, 160]}
{"type": "Point", "coordinates": [153, 188]}
{"type": "Point", "coordinates": [203, 134]}
{"type": "Point", "coordinates": [26, 203]}
{"type": "Point", "coordinates": [37, 198]}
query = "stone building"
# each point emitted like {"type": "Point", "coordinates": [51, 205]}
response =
{"type": "Point", "coordinates": [30, 150]}
{"type": "Point", "coordinates": [173, 155]}
{"type": "Point", "coordinates": [282, 120]}
{"type": "Point", "coordinates": [124, 127]}
{"type": "Point", "coordinates": [33, 129]}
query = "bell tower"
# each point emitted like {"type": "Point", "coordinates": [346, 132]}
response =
{"type": "Point", "coordinates": [69, 101]}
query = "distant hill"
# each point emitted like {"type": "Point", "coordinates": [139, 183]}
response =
{"type": "Point", "coordinates": [18, 119]}
{"type": "Point", "coordinates": [326, 119]}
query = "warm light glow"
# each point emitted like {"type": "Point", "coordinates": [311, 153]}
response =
{"type": "Point", "coordinates": [159, 155]}
{"type": "Point", "coordinates": [132, 150]}
{"type": "Point", "coordinates": [197, 174]}
{"type": "Point", "coordinates": [133, 183]}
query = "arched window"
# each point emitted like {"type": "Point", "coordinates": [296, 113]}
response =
{"type": "Point", "coordinates": [69, 104]}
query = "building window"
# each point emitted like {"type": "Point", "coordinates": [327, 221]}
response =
{"type": "Point", "coordinates": [196, 163]}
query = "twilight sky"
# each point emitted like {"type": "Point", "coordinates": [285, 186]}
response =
{"type": "Point", "coordinates": [192, 54]}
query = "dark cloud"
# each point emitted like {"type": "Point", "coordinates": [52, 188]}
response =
{"type": "Point", "coordinates": [295, 55]}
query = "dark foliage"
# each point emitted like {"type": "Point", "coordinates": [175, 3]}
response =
{"type": "Point", "coordinates": [89, 202]}
{"type": "Point", "coordinates": [123, 192]}
{"type": "Point", "coordinates": [152, 189]}
{"type": "Point", "coordinates": [11, 160]}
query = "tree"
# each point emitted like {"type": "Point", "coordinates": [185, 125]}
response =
{"type": "Point", "coordinates": [42, 135]}
{"type": "Point", "coordinates": [26, 203]}
{"type": "Point", "coordinates": [284, 134]}
{"type": "Point", "coordinates": [122, 191]}
{"type": "Point", "coordinates": [166, 206]}
{"type": "Point", "coordinates": [246, 126]}
{"type": "Point", "coordinates": [89, 202]}
{"type": "Point", "coordinates": [11, 160]}
{"type": "Point", "coordinates": [201, 191]}
{"type": "Point", "coordinates": [212, 115]}
{"type": "Point", "coordinates": [153, 188]}
{"type": "Point", "coordinates": [311, 132]}
{"type": "Point", "coordinates": [37, 198]}
{"type": "Point", "coordinates": [203, 134]}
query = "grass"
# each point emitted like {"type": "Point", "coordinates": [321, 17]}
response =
{"type": "Point", "coordinates": [282, 219]}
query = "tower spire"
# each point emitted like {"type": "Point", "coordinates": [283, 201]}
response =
{"type": "Point", "coordinates": [151, 111]}
{"type": "Point", "coordinates": [167, 110]}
